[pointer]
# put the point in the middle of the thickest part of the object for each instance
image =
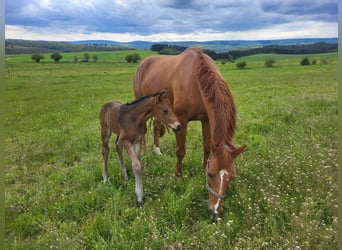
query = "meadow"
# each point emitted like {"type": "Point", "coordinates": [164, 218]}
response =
{"type": "Point", "coordinates": [284, 196]}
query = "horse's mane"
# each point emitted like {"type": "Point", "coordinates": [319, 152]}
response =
{"type": "Point", "coordinates": [217, 99]}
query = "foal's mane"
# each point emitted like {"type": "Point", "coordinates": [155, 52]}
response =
{"type": "Point", "coordinates": [218, 100]}
{"type": "Point", "coordinates": [142, 98]}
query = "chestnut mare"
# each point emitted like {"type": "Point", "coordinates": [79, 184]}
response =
{"type": "Point", "coordinates": [197, 92]}
{"type": "Point", "coordinates": [128, 122]}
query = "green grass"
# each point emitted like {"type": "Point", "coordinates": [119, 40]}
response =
{"type": "Point", "coordinates": [284, 195]}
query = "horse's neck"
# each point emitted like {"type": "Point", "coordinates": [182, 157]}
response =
{"type": "Point", "coordinates": [219, 104]}
{"type": "Point", "coordinates": [141, 112]}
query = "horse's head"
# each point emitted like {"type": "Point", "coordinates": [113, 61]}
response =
{"type": "Point", "coordinates": [220, 171]}
{"type": "Point", "coordinates": [163, 111]}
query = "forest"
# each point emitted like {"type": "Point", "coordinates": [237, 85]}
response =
{"type": "Point", "coordinates": [320, 47]}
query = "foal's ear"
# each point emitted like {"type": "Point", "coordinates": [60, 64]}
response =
{"type": "Point", "coordinates": [162, 94]}
{"type": "Point", "coordinates": [237, 151]}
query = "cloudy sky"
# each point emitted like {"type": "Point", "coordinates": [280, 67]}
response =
{"type": "Point", "coordinates": [170, 20]}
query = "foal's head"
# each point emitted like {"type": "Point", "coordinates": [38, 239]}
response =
{"type": "Point", "coordinates": [162, 109]}
{"type": "Point", "coordinates": [220, 172]}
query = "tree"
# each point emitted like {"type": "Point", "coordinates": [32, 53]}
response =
{"type": "Point", "coordinates": [129, 58]}
{"type": "Point", "coordinates": [86, 57]}
{"type": "Point", "coordinates": [95, 58]}
{"type": "Point", "coordinates": [37, 57]}
{"type": "Point", "coordinates": [56, 56]}
{"type": "Point", "coordinates": [241, 65]}
{"type": "Point", "coordinates": [305, 61]}
{"type": "Point", "coordinates": [133, 58]}
{"type": "Point", "coordinates": [269, 62]}
{"type": "Point", "coordinates": [136, 58]}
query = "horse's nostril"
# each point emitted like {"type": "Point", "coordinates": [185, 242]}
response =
{"type": "Point", "coordinates": [176, 129]}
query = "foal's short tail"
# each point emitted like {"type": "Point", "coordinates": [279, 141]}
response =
{"type": "Point", "coordinates": [162, 130]}
{"type": "Point", "coordinates": [158, 127]}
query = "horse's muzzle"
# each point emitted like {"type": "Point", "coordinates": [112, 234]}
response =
{"type": "Point", "coordinates": [176, 129]}
{"type": "Point", "coordinates": [213, 215]}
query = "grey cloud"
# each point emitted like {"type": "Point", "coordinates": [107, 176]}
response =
{"type": "Point", "coordinates": [148, 17]}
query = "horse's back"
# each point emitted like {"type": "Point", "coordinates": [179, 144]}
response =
{"type": "Point", "coordinates": [158, 72]}
{"type": "Point", "coordinates": [109, 116]}
{"type": "Point", "coordinates": [178, 74]}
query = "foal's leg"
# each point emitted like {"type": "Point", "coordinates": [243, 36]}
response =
{"type": "Point", "coordinates": [105, 135]}
{"type": "Point", "coordinates": [119, 151]}
{"type": "Point", "coordinates": [134, 150]}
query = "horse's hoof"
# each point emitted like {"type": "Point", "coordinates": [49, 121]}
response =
{"type": "Point", "coordinates": [140, 203]}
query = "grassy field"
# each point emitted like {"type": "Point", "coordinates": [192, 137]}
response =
{"type": "Point", "coordinates": [284, 196]}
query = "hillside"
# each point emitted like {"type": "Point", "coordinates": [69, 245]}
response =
{"type": "Point", "coordinates": [218, 46]}
{"type": "Point", "coordinates": [15, 46]}
{"type": "Point", "coordinates": [216, 49]}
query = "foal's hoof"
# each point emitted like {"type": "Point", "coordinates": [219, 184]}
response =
{"type": "Point", "coordinates": [156, 150]}
{"type": "Point", "coordinates": [140, 203]}
{"type": "Point", "coordinates": [178, 174]}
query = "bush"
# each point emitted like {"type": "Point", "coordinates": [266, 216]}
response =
{"type": "Point", "coordinates": [305, 61]}
{"type": "Point", "coordinates": [269, 62]}
{"type": "Point", "coordinates": [133, 58]}
{"type": "Point", "coordinates": [169, 51]}
{"type": "Point", "coordinates": [86, 57]}
{"type": "Point", "coordinates": [56, 56]}
{"type": "Point", "coordinates": [324, 61]}
{"type": "Point", "coordinates": [95, 58]}
{"type": "Point", "coordinates": [241, 65]}
{"type": "Point", "coordinates": [37, 57]}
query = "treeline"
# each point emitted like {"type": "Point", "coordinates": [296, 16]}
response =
{"type": "Point", "coordinates": [314, 48]}
{"type": "Point", "coordinates": [15, 46]}
{"type": "Point", "coordinates": [166, 49]}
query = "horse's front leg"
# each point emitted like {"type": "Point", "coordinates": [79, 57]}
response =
{"type": "Point", "coordinates": [119, 152]}
{"type": "Point", "coordinates": [133, 151]}
{"type": "Point", "coordinates": [206, 141]}
{"type": "Point", "coordinates": [157, 128]}
{"type": "Point", "coordinates": [180, 151]}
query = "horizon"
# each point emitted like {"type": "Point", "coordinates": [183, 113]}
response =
{"type": "Point", "coordinates": [180, 41]}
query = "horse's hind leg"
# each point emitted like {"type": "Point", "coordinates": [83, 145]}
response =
{"type": "Point", "coordinates": [105, 135]}
{"type": "Point", "coordinates": [134, 152]}
{"type": "Point", "coordinates": [119, 151]}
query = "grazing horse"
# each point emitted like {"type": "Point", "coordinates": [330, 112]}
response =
{"type": "Point", "coordinates": [197, 92]}
{"type": "Point", "coordinates": [128, 122]}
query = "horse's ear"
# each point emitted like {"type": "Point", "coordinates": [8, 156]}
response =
{"type": "Point", "coordinates": [237, 151]}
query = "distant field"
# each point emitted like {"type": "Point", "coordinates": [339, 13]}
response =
{"type": "Point", "coordinates": [284, 196]}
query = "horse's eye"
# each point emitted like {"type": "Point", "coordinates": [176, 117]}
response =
{"type": "Point", "coordinates": [165, 111]}
{"type": "Point", "coordinates": [210, 175]}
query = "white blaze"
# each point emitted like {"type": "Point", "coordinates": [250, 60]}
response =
{"type": "Point", "coordinates": [222, 174]}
